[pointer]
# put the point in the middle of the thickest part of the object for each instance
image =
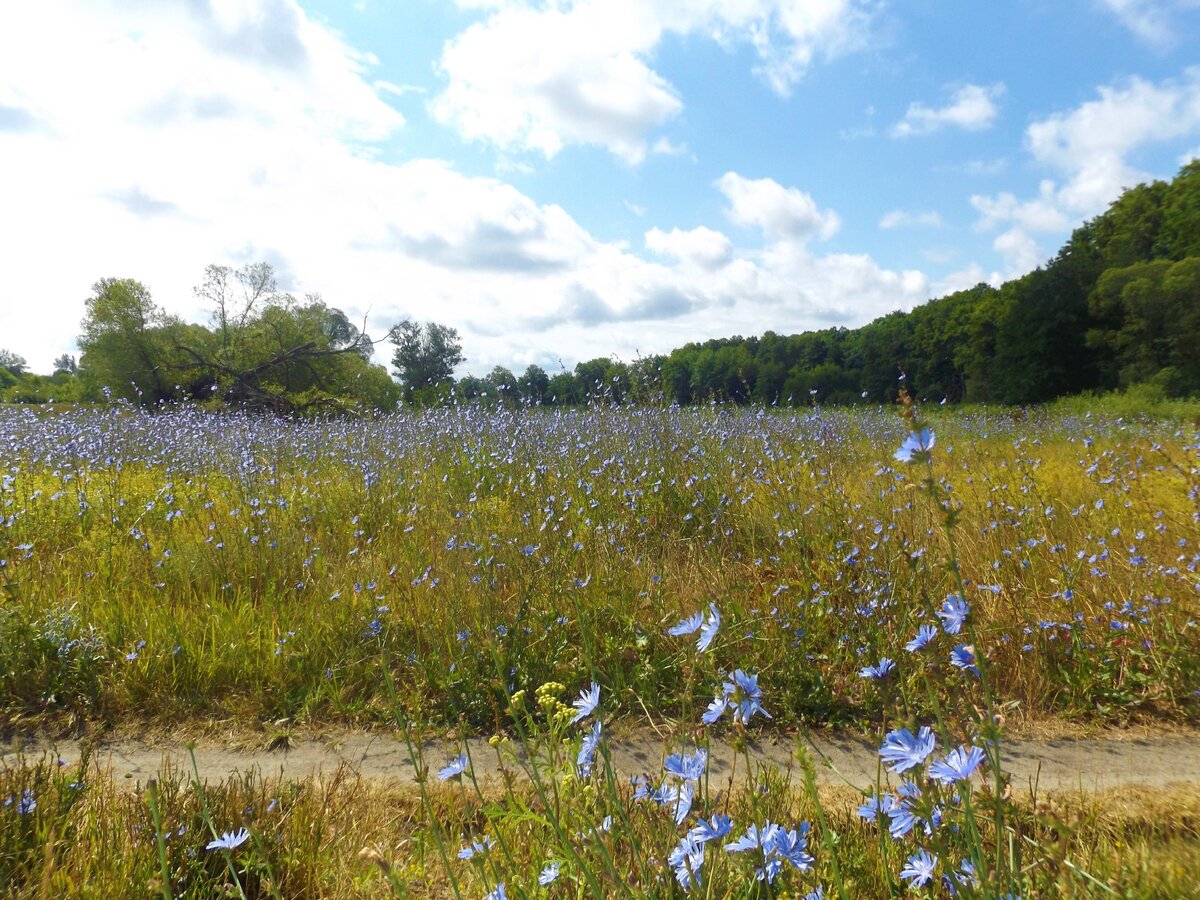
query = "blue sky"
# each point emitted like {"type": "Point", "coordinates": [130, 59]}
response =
{"type": "Point", "coordinates": [564, 179]}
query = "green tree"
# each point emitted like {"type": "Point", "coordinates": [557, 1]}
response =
{"type": "Point", "coordinates": [1147, 324]}
{"type": "Point", "coordinates": [470, 387]}
{"type": "Point", "coordinates": [592, 377]}
{"type": "Point", "coordinates": [130, 345]}
{"type": "Point", "coordinates": [502, 385]}
{"type": "Point", "coordinates": [274, 352]}
{"type": "Point", "coordinates": [14, 363]}
{"type": "Point", "coordinates": [566, 389]}
{"type": "Point", "coordinates": [533, 385]}
{"type": "Point", "coordinates": [269, 351]}
{"type": "Point", "coordinates": [1179, 236]}
{"type": "Point", "coordinates": [425, 357]}
{"type": "Point", "coordinates": [236, 296]}
{"type": "Point", "coordinates": [1128, 231]}
{"type": "Point", "coordinates": [645, 375]}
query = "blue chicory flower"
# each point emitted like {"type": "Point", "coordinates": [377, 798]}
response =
{"type": "Point", "coordinates": [686, 860]}
{"type": "Point", "coordinates": [229, 840]}
{"type": "Point", "coordinates": [710, 628]}
{"type": "Point", "coordinates": [958, 765]}
{"type": "Point", "coordinates": [689, 766]}
{"type": "Point", "coordinates": [878, 672]}
{"type": "Point", "coordinates": [925, 634]}
{"type": "Point", "coordinates": [903, 750]}
{"type": "Point", "coordinates": [919, 868]}
{"type": "Point", "coordinates": [954, 614]}
{"type": "Point", "coordinates": [916, 445]}
{"type": "Point", "coordinates": [963, 657]}
{"type": "Point", "coordinates": [476, 848]}
{"type": "Point", "coordinates": [712, 829]}
{"type": "Point", "coordinates": [454, 768]}
{"type": "Point", "coordinates": [587, 751]}
{"type": "Point", "coordinates": [688, 625]}
{"type": "Point", "coordinates": [587, 702]}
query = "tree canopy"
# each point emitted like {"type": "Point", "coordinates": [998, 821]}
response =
{"type": "Point", "coordinates": [265, 350]}
{"type": "Point", "coordinates": [425, 358]}
{"type": "Point", "coordinates": [1117, 306]}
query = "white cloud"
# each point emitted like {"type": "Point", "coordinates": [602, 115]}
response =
{"type": "Point", "coordinates": [1091, 143]}
{"type": "Point", "coordinates": [972, 107]}
{"type": "Point", "coordinates": [899, 218]}
{"type": "Point", "coordinates": [1153, 21]}
{"type": "Point", "coordinates": [782, 213]}
{"type": "Point", "coordinates": [398, 90]}
{"type": "Point", "coordinates": [963, 279]}
{"type": "Point", "coordinates": [539, 76]}
{"type": "Point", "coordinates": [1089, 147]}
{"type": "Point", "coordinates": [701, 246]}
{"type": "Point", "coordinates": [664, 147]}
{"type": "Point", "coordinates": [209, 156]}
{"type": "Point", "coordinates": [716, 287]}
{"type": "Point", "coordinates": [1040, 214]}
{"type": "Point", "coordinates": [538, 79]}
{"type": "Point", "coordinates": [1019, 251]}
{"type": "Point", "coordinates": [985, 166]}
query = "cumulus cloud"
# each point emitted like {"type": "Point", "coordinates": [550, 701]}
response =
{"type": "Point", "coordinates": [584, 306]}
{"type": "Point", "coordinates": [1019, 251]}
{"type": "Point", "coordinates": [537, 79]}
{"type": "Point", "coordinates": [664, 147]}
{"type": "Point", "coordinates": [701, 246]}
{"type": "Point", "coordinates": [964, 279]}
{"type": "Point", "coordinates": [138, 202]}
{"type": "Point", "coordinates": [899, 218]}
{"type": "Point", "coordinates": [1042, 213]}
{"type": "Point", "coordinates": [782, 213]}
{"type": "Point", "coordinates": [972, 108]}
{"type": "Point", "coordinates": [707, 284]}
{"type": "Point", "coordinates": [274, 155]}
{"type": "Point", "coordinates": [1152, 21]}
{"type": "Point", "coordinates": [445, 219]}
{"type": "Point", "coordinates": [544, 75]}
{"type": "Point", "coordinates": [1091, 143]}
{"type": "Point", "coordinates": [1089, 147]}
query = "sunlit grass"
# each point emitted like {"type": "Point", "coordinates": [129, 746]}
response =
{"type": "Point", "coordinates": [475, 569]}
{"type": "Point", "coordinates": [189, 564]}
{"type": "Point", "coordinates": [345, 837]}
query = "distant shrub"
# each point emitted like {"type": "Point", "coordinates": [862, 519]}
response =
{"type": "Point", "coordinates": [49, 663]}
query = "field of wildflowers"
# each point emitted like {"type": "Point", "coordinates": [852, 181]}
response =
{"type": "Point", "coordinates": [932, 577]}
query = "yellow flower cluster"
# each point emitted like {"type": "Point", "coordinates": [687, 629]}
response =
{"type": "Point", "coordinates": [549, 698]}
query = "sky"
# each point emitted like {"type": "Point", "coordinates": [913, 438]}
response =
{"type": "Point", "coordinates": [566, 179]}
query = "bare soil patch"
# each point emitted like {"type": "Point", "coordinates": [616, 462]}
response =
{"type": "Point", "coordinates": [1091, 763]}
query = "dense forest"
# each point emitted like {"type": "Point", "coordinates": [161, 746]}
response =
{"type": "Point", "coordinates": [1118, 306]}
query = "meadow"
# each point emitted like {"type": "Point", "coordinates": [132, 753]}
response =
{"type": "Point", "coordinates": [937, 578]}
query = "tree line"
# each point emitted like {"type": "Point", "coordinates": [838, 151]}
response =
{"type": "Point", "coordinates": [1117, 306]}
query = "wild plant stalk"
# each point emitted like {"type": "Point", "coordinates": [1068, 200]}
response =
{"type": "Point", "coordinates": [159, 838]}
{"type": "Point", "coordinates": [198, 787]}
{"type": "Point", "coordinates": [415, 756]}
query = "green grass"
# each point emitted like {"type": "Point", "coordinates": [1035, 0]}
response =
{"type": "Point", "coordinates": [252, 558]}
{"type": "Point", "coordinates": [439, 570]}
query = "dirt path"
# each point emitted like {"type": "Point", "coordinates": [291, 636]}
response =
{"type": "Point", "coordinates": [1092, 763]}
